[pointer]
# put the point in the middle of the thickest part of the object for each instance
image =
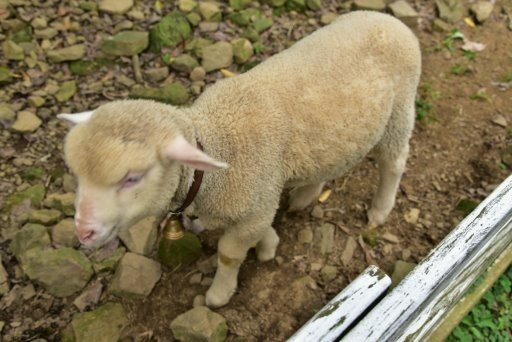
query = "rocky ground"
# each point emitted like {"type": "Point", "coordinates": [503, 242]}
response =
{"type": "Point", "coordinates": [70, 56]}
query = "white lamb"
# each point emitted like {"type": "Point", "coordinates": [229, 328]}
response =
{"type": "Point", "coordinates": [303, 117]}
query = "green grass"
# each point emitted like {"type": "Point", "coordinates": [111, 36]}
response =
{"type": "Point", "coordinates": [491, 319]}
{"type": "Point", "coordinates": [508, 77]}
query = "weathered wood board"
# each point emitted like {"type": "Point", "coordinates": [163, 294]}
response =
{"type": "Point", "coordinates": [419, 303]}
{"type": "Point", "coordinates": [334, 318]}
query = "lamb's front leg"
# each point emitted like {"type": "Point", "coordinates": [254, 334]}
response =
{"type": "Point", "coordinates": [232, 250]}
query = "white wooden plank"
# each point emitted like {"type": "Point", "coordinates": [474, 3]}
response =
{"type": "Point", "coordinates": [345, 308]}
{"type": "Point", "coordinates": [421, 300]}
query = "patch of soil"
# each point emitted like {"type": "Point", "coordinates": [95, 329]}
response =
{"type": "Point", "coordinates": [455, 154]}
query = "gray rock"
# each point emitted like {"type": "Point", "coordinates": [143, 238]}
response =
{"type": "Point", "coordinates": [7, 115]}
{"type": "Point", "coordinates": [210, 11]}
{"type": "Point", "coordinates": [305, 235]}
{"type": "Point", "coordinates": [126, 43]}
{"type": "Point", "coordinates": [450, 10]}
{"type": "Point", "coordinates": [61, 272]}
{"type": "Point", "coordinates": [116, 6]}
{"type": "Point", "coordinates": [66, 91]}
{"type": "Point", "coordinates": [317, 212]}
{"type": "Point", "coordinates": [328, 273]}
{"type": "Point", "coordinates": [46, 217]}
{"type": "Point", "coordinates": [348, 251]}
{"type": "Point", "coordinates": [198, 74]}
{"type": "Point", "coordinates": [328, 18]}
{"type": "Point", "coordinates": [135, 276]}
{"type": "Point", "coordinates": [184, 63]}
{"type": "Point", "coordinates": [441, 26]}
{"type": "Point", "coordinates": [39, 23]}
{"type": "Point", "coordinates": [12, 51]}
{"type": "Point", "coordinates": [71, 53]}
{"type": "Point", "coordinates": [199, 300]}
{"type": "Point", "coordinates": [69, 183]}
{"type": "Point", "coordinates": [217, 56]}
{"type": "Point", "coordinates": [141, 237]}
{"type": "Point", "coordinates": [157, 74]}
{"type": "Point", "coordinates": [187, 5]}
{"type": "Point", "coordinates": [324, 238]}
{"type": "Point", "coordinates": [63, 233]}
{"type": "Point", "coordinates": [402, 9]}
{"type": "Point", "coordinates": [46, 33]}
{"type": "Point", "coordinates": [109, 263]}
{"type": "Point", "coordinates": [36, 101]}
{"type": "Point", "coordinates": [242, 50]}
{"type": "Point", "coordinates": [4, 280]}
{"type": "Point", "coordinates": [314, 5]}
{"type": "Point", "coordinates": [374, 5]}
{"type": "Point", "coordinates": [482, 10]}
{"type": "Point", "coordinates": [26, 122]}
{"type": "Point", "coordinates": [200, 324]}
{"type": "Point", "coordinates": [195, 279]}
{"type": "Point", "coordinates": [89, 297]}
{"type": "Point", "coordinates": [175, 94]}
{"type": "Point", "coordinates": [208, 26]}
{"type": "Point", "coordinates": [106, 323]}
{"type": "Point", "coordinates": [401, 270]}
{"type": "Point", "coordinates": [63, 202]}
{"type": "Point", "coordinates": [193, 18]}
{"type": "Point", "coordinates": [29, 237]}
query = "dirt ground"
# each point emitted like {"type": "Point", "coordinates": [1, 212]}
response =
{"type": "Point", "coordinates": [456, 153]}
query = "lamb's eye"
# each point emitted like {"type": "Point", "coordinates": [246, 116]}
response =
{"type": "Point", "coordinates": [131, 179]}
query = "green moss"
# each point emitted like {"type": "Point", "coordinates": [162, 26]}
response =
{"type": "Point", "coordinates": [35, 193]}
{"type": "Point", "coordinates": [170, 31]}
{"type": "Point", "coordinates": [175, 94]}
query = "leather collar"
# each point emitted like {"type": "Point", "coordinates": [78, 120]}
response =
{"type": "Point", "coordinates": [194, 188]}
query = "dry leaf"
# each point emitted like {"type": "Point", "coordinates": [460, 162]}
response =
{"type": "Point", "coordinates": [469, 22]}
{"type": "Point", "coordinates": [324, 196]}
{"type": "Point", "coordinates": [227, 73]}
{"type": "Point", "coordinates": [472, 46]}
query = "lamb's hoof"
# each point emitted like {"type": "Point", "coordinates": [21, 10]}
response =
{"type": "Point", "coordinates": [376, 218]}
{"type": "Point", "coordinates": [216, 299]}
{"type": "Point", "coordinates": [266, 255]}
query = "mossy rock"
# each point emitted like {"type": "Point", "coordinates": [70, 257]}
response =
{"type": "Point", "coordinates": [296, 5]}
{"type": "Point", "coordinates": [82, 68]}
{"type": "Point", "coordinates": [126, 43]}
{"type": "Point", "coordinates": [35, 193]}
{"type": "Point", "coordinates": [29, 237]}
{"type": "Point", "coordinates": [5, 76]}
{"type": "Point", "coordinates": [22, 36]}
{"type": "Point", "coordinates": [175, 94]}
{"type": "Point", "coordinates": [169, 32]}
{"type": "Point", "coordinates": [106, 323]}
{"type": "Point", "coordinates": [33, 173]}
{"type": "Point", "coordinates": [197, 45]}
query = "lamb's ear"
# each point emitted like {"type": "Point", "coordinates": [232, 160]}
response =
{"type": "Point", "coordinates": [182, 151]}
{"type": "Point", "coordinates": [74, 119]}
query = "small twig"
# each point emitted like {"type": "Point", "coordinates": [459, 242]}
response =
{"type": "Point", "coordinates": [136, 69]}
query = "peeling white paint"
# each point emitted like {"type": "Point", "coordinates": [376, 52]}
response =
{"type": "Point", "coordinates": [345, 308]}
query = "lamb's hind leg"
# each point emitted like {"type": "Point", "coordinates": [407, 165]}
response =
{"type": "Point", "coordinates": [303, 196]}
{"type": "Point", "coordinates": [392, 153]}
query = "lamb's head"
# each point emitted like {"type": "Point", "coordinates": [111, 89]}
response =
{"type": "Point", "coordinates": [128, 157]}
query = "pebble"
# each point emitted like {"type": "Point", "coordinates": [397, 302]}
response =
{"type": "Point", "coordinates": [199, 324]}
{"type": "Point", "coordinates": [199, 300]}
{"type": "Point", "coordinates": [197, 74]}
{"type": "Point", "coordinates": [500, 121]}
{"type": "Point", "coordinates": [375, 5]}
{"type": "Point", "coordinates": [195, 279]}
{"type": "Point", "coordinates": [348, 251]}
{"type": "Point", "coordinates": [317, 212]}
{"type": "Point", "coordinates": [90, 296]}
{"type": "Point", "coordinates": [305, 235]}
{"type": "Point", "coordinates": [324, 236]}
{"type": "Point", "coordinates": [135, 276]}
{"type": "Point", "coordinates": [482, 10]}
{"type": "Point", "coordinates": [207, 26]}
{"type": "Point", "coordinates": [328, 18]}
{"type": "Point", "coordinates": [217, 56]}
{"type": "Point", "coordinates": [115, 6]}
{"type": "Point", "coordinates": [156, 74]}
{"type": "Point", "coordinates": [141, 237]}
{"type": "Point", "coordinates": [207, 281]}
{"type": "Point", "coordinates": [390, 237]}
{"type": "Point", "coordinates": [71, 53]}
{"type": "Point", "coordinates": [329, 273]}
{"type": "Point", "coordinates": [412, 216]}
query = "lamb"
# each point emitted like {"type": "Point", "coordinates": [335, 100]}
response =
{"type": "Point", "coordinates": [303, 117]}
